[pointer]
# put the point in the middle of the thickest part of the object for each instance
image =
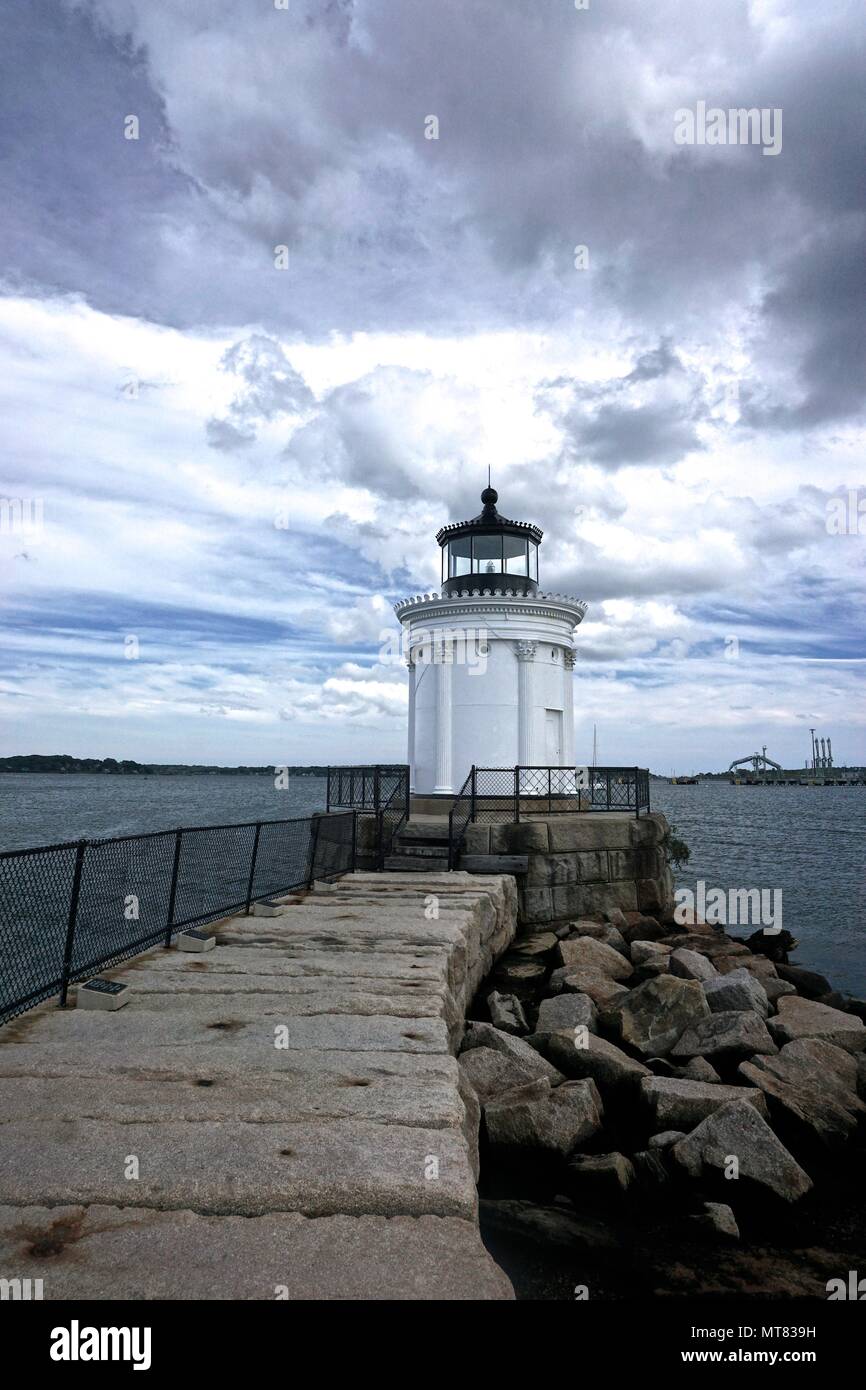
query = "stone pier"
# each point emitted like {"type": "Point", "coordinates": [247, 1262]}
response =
{"type": "Point", "coordinates": [279, 1117]}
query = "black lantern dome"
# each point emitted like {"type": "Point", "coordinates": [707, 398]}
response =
{"type": "Point", "coordinates": [490, 552]}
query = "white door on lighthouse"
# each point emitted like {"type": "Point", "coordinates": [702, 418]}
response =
{"type": "Point", "coordinates": [553, 737]}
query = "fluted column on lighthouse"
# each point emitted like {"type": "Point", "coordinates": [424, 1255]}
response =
{"type": "Point", "coordinates": [568, 659]}
{"type": "Point", "coordinates": [411, 741]}
{"type": "Point", "coordinates": [525, 693]}
{"type": "Point", "coordinates": [443, 665]}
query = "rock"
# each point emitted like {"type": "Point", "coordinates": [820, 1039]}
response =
{"type": "Point", "coordinates": [602, 990]}
{"type": "Point", "coordinates": [666, 1138]}
{"type": "Point", "coordinates": [515, 973]}
{"type": "Point", "coordinates": [802, 1018]}
{"type": "Point", "coordinates": [715, 946]}
{"type": "Point", "coordinates": [660, 1066]}
{"type": "Point", "coordinates": [861, 1075]}
{"type": "Point", "coordinates": [737, 991]}
{"type": "Point", "coordinates": [650, 970]}
{"type": "Point", "coordinates": [691, 965]}
{"type": "Point", "coordinates": [733, 1034]}
{"type": "Point", "coordinates": [567, 1011]}
{"type": "Point", "coordinates": [492, 1073]}
{"type": "Point", "coordinates": [759, 966]}
{"type": "Point", "coordinates": [774, 989]}
{"type": "Point", "coordinates": [806, 982]}
{"type": "Point", "coordinates": [699, 1069]}
{"type": "Point", "coordinates": [716, 1222]}
{"type": "Point", "coordinates": [471, 1119]}
{"type": "Point", "coordinates": [652, 1017]}
{"type": "Point", "coordinates": [738, 1131]}
{"type": "Point", "coordinates": [485, 1035]}
{"type": "Point", "coordinates": [642, 951]}
{"type": "Point", "coordinates": [599, 1177]}
{"type": "Point", "coordinates": [677, 1104]}
{"type": "Point", "coordinates": [811, 1087]}
{"type": "Point", "coordinates": [835, 1000]}
{"type": "Point", "coordinates": [640, 928]}
{"type": "Point", "coordinates": [617, 918]}
{"type": "Point", "coordinates": [534, 944]}
{"type": "Point", "coordinates": [809, 1115]}
{"type": "Point", "coordinates": [650, 1169]}
{"type": "Point", "coordinates": [582, 953]}
{"type": "Point", "coordinates": [506, 1013]}
{"type": "Point", "coordinates": [535, 1117]}
{"type": "Point", "coordinates": [548, 1225]}
{"type": "Point", "coordinates": [606, 1064]}
{"type": "Point", "coordinates": [857, 1007]}
{"type": "Point", "coordinates": [600, 931]}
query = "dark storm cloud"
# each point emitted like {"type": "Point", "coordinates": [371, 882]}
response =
{"type": "Point", "coordinates": [305, 128]}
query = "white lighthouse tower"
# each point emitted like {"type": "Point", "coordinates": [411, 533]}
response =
{"type": "Point", "coordinates": [491, 658]}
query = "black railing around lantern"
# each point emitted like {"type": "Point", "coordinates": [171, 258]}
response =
{"type": "Point", "coordinates": [497, 795]}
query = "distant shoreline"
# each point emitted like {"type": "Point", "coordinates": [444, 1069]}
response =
{"type": "Point", "coordinates": [62, 763]}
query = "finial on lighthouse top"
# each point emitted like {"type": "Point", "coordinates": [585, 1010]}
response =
{"type": "Point", "coordinates": [504, 552]}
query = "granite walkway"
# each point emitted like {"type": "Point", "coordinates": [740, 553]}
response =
{"type": "Point", "coordinates": [279, 1117]}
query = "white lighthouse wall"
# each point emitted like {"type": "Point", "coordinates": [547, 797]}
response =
{"type": "Point", "coordinates": [484, 702]}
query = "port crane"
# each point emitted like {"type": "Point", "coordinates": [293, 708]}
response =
{"type": "Point", "coordinates": [759, 761]}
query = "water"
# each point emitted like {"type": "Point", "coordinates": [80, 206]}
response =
{"type": "Point", "coordinates": [46, 808]}
{"type": "Point", "coordinates": [810, 842]}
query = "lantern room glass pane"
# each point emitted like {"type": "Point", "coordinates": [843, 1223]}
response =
{"type": "Point", "coordinates": [515, 554]}
{"type": "Point", "coordinates": [533, 561]}
{"type": "Point", "coordinates": [459, 556]}
{"type": "Point", "coordinates": [487, 555]}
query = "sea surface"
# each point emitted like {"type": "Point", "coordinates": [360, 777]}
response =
{"type": "Point", "coordinates": [808, 842]}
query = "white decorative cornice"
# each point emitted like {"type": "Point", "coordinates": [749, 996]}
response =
{"type": "Point", "coordinates": [485, 601]}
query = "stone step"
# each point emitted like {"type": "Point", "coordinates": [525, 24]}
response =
{"type": "Point", "coordinates": [420, 848]}
{"type": "Point", "coordinates": [416, 863]}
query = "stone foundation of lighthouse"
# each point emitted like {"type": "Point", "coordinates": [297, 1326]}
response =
{"type": "Point", "coordinates": [491, 683]}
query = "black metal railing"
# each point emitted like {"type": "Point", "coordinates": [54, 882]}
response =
{"type": "Point", "coordinates": [497, 795]}
{"type": "Point", "coordinates": [69, 910]}
{"type": "Point", "coordinates": [381, 790]}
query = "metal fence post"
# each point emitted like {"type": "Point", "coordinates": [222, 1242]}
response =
{"type": "Point", "coordinates": [354, 815]}
{"type": "Point", "coordinates": [253, 867]}
{"type": "Point", "coordinates": [178, 835]}
{"type": "Point", "coordinates": [70, 922]}
{"type": "Point", "coordinates": [473, 807]}
{"type": "Point", "coordinates": [607, 781]}
{"type": "Point", "coordinates": [314, 842]}
{"type": "Point", "coordinates": [636, 797]}
{"type": "Point", "coordinates": [328, 793]}
{"type": "Point", "coordinates": [517, 794]}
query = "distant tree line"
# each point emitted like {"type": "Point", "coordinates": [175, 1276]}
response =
{"type": "Point", "coordinates": [63, 762]}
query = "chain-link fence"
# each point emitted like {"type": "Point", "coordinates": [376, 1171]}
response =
{"type": "Point", "coordinates": [68, 910]}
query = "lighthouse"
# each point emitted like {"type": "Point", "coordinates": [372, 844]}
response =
{"type": "Point", "coordinates": [491, 658]}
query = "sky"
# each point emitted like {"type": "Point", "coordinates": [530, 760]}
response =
{"type": "Point", "coordinates": [281, 279]}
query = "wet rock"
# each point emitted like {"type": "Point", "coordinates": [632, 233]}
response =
{"type": "Point", "coordinates": [491, 1073]}
{"type": "Point", "coordinates": [666, 1138]}
{"type": "Point", "coordinates": [803, 1018]}
{"type": "Point", "coordinates": [759, 966]}
{"type": "Point", "coordinates": [506, 1013]}
{"type": "Point", "coordinates": [538, 1118]}
{"type": "Point", "coordinates": [652, 1017]}
{"type": "Point", "coordinates": [677, 1104]}
{"type": "Point", "coordinates": [606, 1064]}
{"type": "Point", "coordinates": [738, 1131]}
{"type": "Point", "coordinates": [715, 947]}
{"type": "Point", "coordinates": [725, 1035]}
{"type": "Point", "coordinates": [582, 953]}
{"type": "Point", "coordinates": [835, 1000]}
{"type": "Point", "coordinates": [557, 1225]}
{"type": "Point", "coordinates": [716, 1222]}
{"type": "Point", "coordinates": [806, 982]}
{"type": "Point", "coordinates": [602, 990]}
{"type": "Point", "coordinates": [642, 951]}
{"type": "Point", "coordinates": [567, 1011]}
{"type": "Point", "coordinates": [515, 973]}
{"type": "Point", "coordinates": [533, 945]}
{"type": "Point", "coordinates": [691, 965]}
{"type": "Point", "coordinates": [737, 991]}
{"type": "Point", "coordinates": [485, 1035]}
{"type": "Point", "coordinates": [808, 1115]}
{"type": "Point", "coordinates": [599, 1177]}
